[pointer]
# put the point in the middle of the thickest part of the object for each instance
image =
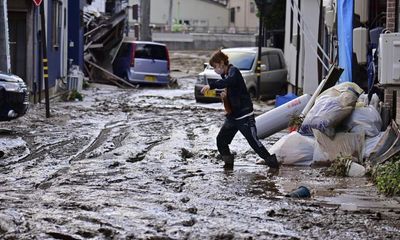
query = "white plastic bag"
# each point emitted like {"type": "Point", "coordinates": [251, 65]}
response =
{"type": "Point", "coordinates": [364, 119]}
{"type": "Point", "coordinates": [345, 144]}
{"type": "Point", "coordinates": [294, 149]}
{"type": "Point", "coordinates": [340, 88]}
{"type": "Point", "coordinates": [373, 102]}
{"type": "Point", "coordinates": [328, 112]}
{"type": "Point", "coordinates": [370, 144]}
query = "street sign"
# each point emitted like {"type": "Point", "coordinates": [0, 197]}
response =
{"type": "Point", "coordinates": [37, 2]}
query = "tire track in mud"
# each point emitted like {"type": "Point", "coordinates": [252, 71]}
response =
{"type": "Point", "coordinates": [142, 154]}
{"type": "Point", "coordinates": [40, 152]}
{"type": "Point", "coordinates": [101, 138]}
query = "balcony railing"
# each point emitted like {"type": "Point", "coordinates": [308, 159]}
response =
{"type": "Point", "coordinates": [204, 29]}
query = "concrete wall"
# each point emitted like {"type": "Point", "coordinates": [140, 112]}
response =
{"type": "Point", "coordinates": [204, 12]}
{"type": "Point", "coordinates": [199, 41]}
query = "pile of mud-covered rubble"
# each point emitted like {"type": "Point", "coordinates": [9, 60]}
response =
{"type": "Point", "coordinates": [102, 37]}
{"type": "Point", "coordinates": [336, 122]}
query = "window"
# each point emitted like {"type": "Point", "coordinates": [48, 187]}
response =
{"type": "Point", "coordinates": [56, 23]}
{"type": "Point", "coordinates": [135, 12]}
{"type": "Point", "coordinates": [274, 61]}
{"type": "Point", "coordinates": [232, 15]}
{"type": "Point", "coordinates": [264, 60]}
{"type": "Point", "coordinates": [150, 51]}
{"type": "Point", "coordinates": [252, 7]}
{"type": "Point", "coordinates": [242, 60]}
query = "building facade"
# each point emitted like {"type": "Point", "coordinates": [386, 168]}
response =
{"type": "Point", "coordinates": [24, 22]}
{"type": "Point", "coordinates": [75, 33]}
{"type": "Point", "coordinates": [306, 38]}
{"type": "Point", "coordinates": [189, 15]}
{"type": "Point", "coordinates": [243, 16]}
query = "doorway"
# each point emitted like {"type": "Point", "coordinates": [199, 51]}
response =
{"type": "Point", "coordinates": [18, 43]}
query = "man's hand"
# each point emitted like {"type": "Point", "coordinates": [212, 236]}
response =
{"type": "Point", "coordinates": [205, 89]}
{"type": "Point", "coordinates": [223, 94]}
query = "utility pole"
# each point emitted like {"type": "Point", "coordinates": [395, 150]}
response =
{"type": "Point", "coordinates": [170, 15]}
{"type": "Point", "coordinates": [5, 65]}
{"type": "Point", "coordinates": [45, 61]}
{"type": "Point", "coordinates": [261, 5]}
{"type": "Point", "coordinates": [145, 34]}
{"type": "Point", "coordinates": [260, 40]}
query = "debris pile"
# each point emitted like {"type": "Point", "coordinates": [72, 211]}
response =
{"type": "Point", "coordinates": [102, 38]}
{"type": "Point", "coordinates": [343, 126]}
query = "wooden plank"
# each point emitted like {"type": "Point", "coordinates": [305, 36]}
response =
{"type": "Point", "coordinates": [111, 74]}
{"type": "Point", "coordinates": [106, 79]}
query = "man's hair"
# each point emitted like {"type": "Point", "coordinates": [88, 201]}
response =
{"type": "Point", "coordinates": [218, 57]}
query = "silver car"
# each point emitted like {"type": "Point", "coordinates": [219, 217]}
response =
{"type": "Point", "coordinates": [273, 79]}
{"type": "Point", "coordinates": [14, 97]}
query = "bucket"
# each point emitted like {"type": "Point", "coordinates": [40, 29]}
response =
{"type": "Point", "coordinates": [354, 169]}
{"type": "Point", "coordinates": [280, 100]}
{"type": "Point", "coordinates": [301, 192]}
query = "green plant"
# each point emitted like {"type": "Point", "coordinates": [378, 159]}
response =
{"type": "Point", "coordinates": [338, 166]}
{"type": "Point", "coordinates": [387, 177]}
{"type": "Point", "coordinates": [85, 85]}
{"type": "Point", "coordinates": [72, 96]}
{"type": "Point", "coordinates": [295, 120]}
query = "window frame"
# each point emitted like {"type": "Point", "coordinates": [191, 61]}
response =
{"type": "Point", "coordinates": [57, 23]}
{"type": "Point", "coordinates": [270, 65]}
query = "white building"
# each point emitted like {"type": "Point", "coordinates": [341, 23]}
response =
{"type": "Point", "coordinates": [194, 14]}
{"type": "Point", "coordinates": [242, 16]}
{"type": "Point", "coordinates": [302, 60]}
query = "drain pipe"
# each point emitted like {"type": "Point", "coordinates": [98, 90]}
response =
{"type": "Point", "coordinates": [297, 48]}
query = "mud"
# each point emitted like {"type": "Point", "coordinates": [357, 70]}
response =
{"type": "Point", "coordinates": [142, 164]}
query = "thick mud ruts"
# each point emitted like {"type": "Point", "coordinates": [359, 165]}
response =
{"type": "Point", "coordinates": [142, 164]}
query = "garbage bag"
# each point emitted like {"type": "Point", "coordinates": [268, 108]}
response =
{"type": "Point", "coordinates": [328, 112]}
{"type": "Point", "coordinates": [294, 149]}
{"type": "Point", "coordinates": [364, 119]}
{"type": "Point", "coordinates": [340, 88]}
{"type": "Point", "coordinates": [363, 101]}
{"type": "Point", "coordinates": [370, 144]}
{"type": "Point", "coordinates": [345, 144]}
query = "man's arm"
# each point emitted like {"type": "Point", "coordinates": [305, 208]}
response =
{"type": "Point", "coordinates": [228, 81]}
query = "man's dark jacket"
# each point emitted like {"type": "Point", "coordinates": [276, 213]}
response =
{"type": "Point", "coordinates": [238, 96]}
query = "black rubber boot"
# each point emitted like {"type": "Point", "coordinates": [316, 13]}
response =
{"type": "Point", "coordinates": [228, 160]}
{"type": "Point", "coordinates": [271, 161]}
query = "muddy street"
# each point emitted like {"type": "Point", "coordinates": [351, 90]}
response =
{"type": "Point", "coordinates": [142, 164]}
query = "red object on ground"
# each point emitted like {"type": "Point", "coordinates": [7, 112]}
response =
{"type": "Point", "coordinates": [37, 2]}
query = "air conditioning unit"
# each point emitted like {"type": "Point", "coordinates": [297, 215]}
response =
{"type": "Point", "coordinates": [75, 79]}
{"type": "Point", "coordinates": [361, 8]}
{"type": "Point", "coordinates": [389, 59]}
{"type": "Point", "coordinates": [360, 44]}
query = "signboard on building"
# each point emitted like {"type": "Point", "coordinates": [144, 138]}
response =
{"type": "Point", "coordinates": [37, 2]}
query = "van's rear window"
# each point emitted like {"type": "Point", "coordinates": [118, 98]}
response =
{"type": "Point", "coordinates": [149, 51]}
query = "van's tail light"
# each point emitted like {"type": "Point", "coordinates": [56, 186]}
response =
{"type": "Point", "coordinates": [168, 62]}
{"type": "Point", "coordinates": [133, 50]}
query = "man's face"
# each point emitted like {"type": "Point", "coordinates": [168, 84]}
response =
{"type": "Point", "coordinates": [219, 68]}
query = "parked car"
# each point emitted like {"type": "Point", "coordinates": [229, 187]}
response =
{"type": "Point", "coordinates": [273, 79]}
{"type": "Point", "coordinates": [14, 97]}
{"type": "Point", "coordinates": [142, 62]}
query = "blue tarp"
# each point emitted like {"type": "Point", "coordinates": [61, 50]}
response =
{"type": "Point", "coordinates": [345, 37]}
